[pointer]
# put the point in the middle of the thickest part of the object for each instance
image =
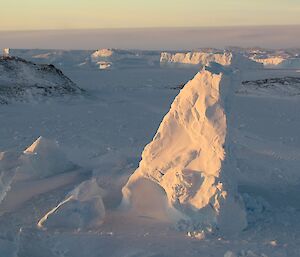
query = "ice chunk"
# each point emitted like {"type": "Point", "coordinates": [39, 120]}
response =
{"type": "Point", "coordinates": [189, 158]}
{"type": "Point", "coordinates": [83, 208]}
{"type": "Point", "coordinates": [44, 158]}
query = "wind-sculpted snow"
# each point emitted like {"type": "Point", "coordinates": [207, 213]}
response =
{"type": "Point", "coordinates": [21, 80]}
{"type": "Point", "coordinates": [40, 168]}
{"type": "Point", "coordinates": [188, 167]}
{"type": "Point", "coordinates": [83, 208]}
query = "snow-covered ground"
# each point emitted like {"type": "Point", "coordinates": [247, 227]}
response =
{"type": "Point", "coordinates": [91, 144]}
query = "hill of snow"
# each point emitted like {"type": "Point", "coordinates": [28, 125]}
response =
{"type": "Point", "coordinates": [21, 80]}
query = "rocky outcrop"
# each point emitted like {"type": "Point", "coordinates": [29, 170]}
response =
{"type": "Point", "coordinates": [21, 80]}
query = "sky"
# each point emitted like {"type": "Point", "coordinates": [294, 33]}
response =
{"type": "Point", "coordinates": [155, 38]}
{"type": "Point", "coordinates": [92, 14]}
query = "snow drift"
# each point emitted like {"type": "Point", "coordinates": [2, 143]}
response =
{"type": "Point", "coordinates": [42, 167]}
{"type": "Point", "coordinates": [83, 208]}
{"type": "Point", "coordinates": [21, 80]}
{"type": "Point", "coordinates": [44, 158]}
{"type": "Point", "coordinates": [204, 58]}
{"type": "Point", "coordinates": [186, 172]}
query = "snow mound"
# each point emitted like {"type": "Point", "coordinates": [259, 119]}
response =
{"type": "Point", "coordinates": [44, 158]}
{"type": "Point", "coordinates": [188, 167]}
{"type": "Point", "coordinates": [21, 80]}
{"type": "Point", "coordinates": [83, 208]}
{"type": "Point", "coordinates": [204, 58]}
{"type": "Point", "coordinates": [40, 168]}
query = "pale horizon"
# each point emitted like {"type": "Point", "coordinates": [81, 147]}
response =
{"type": "Point", "coordinates": [80, 14]}
{"type": "Point", "coordinates": [284, 36]}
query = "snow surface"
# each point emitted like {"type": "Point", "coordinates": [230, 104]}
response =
{"type": "Point", "coordinates": [105, 133]}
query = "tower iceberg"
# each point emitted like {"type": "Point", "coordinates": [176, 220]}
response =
{"type": "Point", "coordinates": [187, 171]}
